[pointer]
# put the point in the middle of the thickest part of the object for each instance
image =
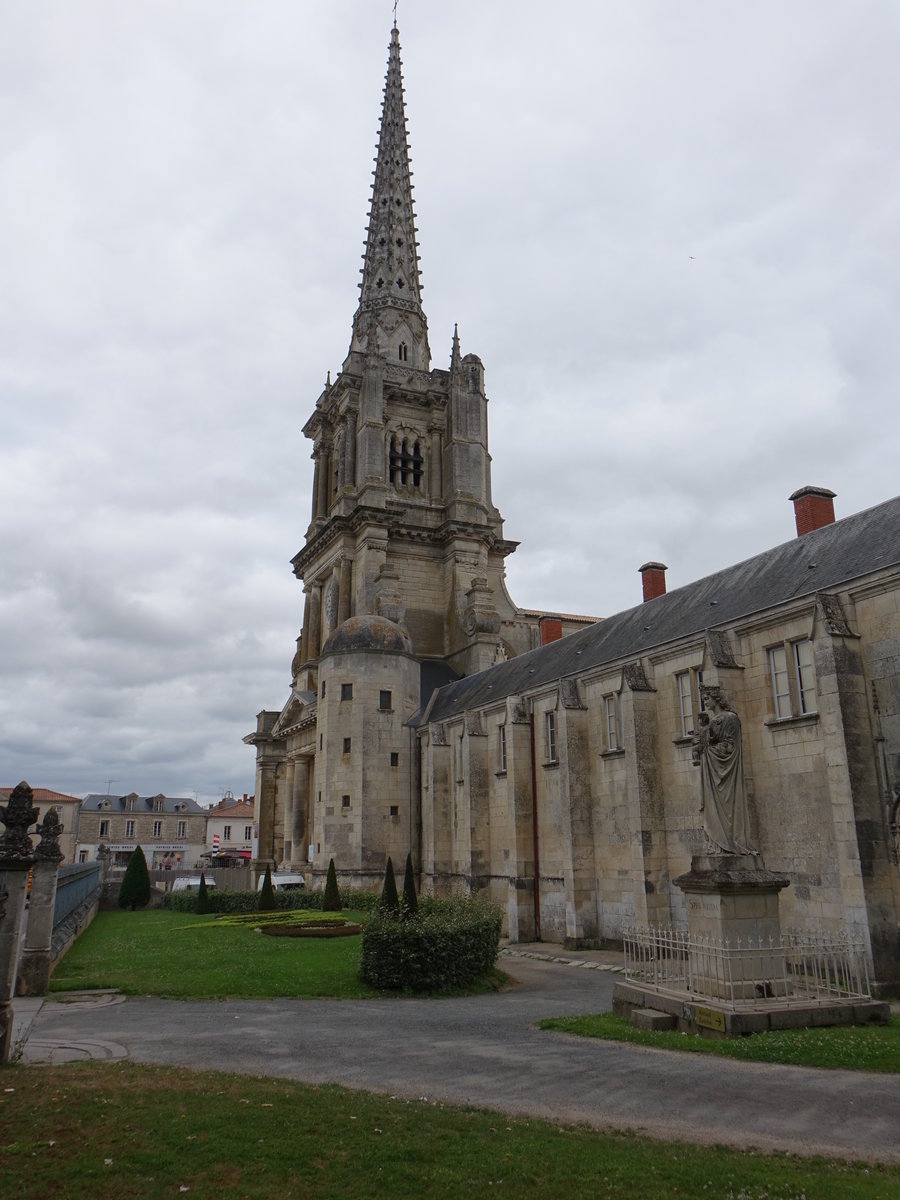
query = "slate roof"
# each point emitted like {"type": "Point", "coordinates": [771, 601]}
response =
{"type": "Point", "coordinates": [819, 561]}
{"type": "Point", "coordinates": [97, 801]}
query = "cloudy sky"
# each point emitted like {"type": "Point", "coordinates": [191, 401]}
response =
{"type": "Point", "coordinates": [670, 231]}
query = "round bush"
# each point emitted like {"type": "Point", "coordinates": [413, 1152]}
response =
{"type": "Point", "coordinates": [447, 945]}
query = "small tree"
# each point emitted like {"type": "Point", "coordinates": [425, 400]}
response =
{"type": "Point", "coordinates": [410, 904]}
{"type": "Point", "coordinates": [135, 889]}
{"type": "Point", "coordinates": [267, 893]}
{"type": "Point", "coordinates": [390, 901]}
{"type": "Point", "coordinates": [202, 896]}
{"type": "Point", "coordinates": [331, 901]}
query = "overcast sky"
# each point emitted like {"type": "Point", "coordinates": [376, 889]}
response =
{"type": "Point", "coordinates": [670, 230]}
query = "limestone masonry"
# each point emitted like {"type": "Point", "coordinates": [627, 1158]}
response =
{"type": "Point", "coordinates": [542, 759]}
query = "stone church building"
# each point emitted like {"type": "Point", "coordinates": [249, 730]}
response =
{"type": "Point", "coordinates": [542, 759]}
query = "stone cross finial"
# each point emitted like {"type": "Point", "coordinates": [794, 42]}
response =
{"type": "Point", "coordinates": [50, 829]}
{"type": "Point", "coordinates": [18, 815]}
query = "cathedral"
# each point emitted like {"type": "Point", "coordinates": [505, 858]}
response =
{"type": "Point", "coordinates": [542, 759]}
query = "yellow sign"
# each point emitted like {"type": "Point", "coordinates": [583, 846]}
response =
{"type": "Point", "coordinates": [708, 1018]}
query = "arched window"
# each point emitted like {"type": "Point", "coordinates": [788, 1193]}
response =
{"type": "Point", "coordinates": [406, 463]}
{"type": "Point", "coordinates": [402, 352]}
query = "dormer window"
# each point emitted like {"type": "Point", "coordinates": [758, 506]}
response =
{"type": "Point", "coordinates": [402, 352]}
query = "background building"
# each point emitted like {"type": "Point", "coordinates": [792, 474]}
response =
{"type": "Point", "coordinates": [230, 828]}
{"type": "Point", "coordinates": [171, 830]}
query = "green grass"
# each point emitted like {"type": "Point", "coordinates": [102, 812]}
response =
{"type": "Point", "coordinates": [851, 1048]}
{"type": "Point", "coordinates": [184, 956]}
{"type": "Point", "coordinates": [92, 1131]}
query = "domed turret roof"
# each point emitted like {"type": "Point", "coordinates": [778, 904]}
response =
{"type": "Point", "coordinates": [368, 633]}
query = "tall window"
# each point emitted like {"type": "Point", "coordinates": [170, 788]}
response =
{"type": "Point", "coordinates": [104, 829]}
{"type": "Point", "coordinates": [690, 702]}
{"type": "Point", "coordinates": [248, 833]}
{"type": "Point", "coordinates": [405, 462]}
{"type": "Point", "coordinates": [793, 679]}
{"type": "Point", "coordinates": [157, 828]}
{"type": "Point", "coordinates": [611, 722]}
{"type": "Point", "coordinates": [501, 732]}
{"type": "Point", "coordinates": [182, 829]}
{"type": "Point", "coordinates": [226, 834]}
{"type": "Point", "coordinates": [384, 701]}
{"type": "Point", "coordinates": [129, 829]}
{"type": "Point", "coordinates": [551, 737]}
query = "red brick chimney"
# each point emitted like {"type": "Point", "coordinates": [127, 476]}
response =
{"type": "Point", "coordinates": [551, 630]}
{"type": "Point", "coordinates": [653, 577]}
{"type": "Point", "coordinates": [813, 508]}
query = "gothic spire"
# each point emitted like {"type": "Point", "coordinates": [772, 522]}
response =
{"type": "Point", "coordinates": [391, 289]}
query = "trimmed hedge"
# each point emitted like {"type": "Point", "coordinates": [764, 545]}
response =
{"type": "Point", "coordinates": [446, 945]}
{"type": "Point", "coordinates": [241, 902]}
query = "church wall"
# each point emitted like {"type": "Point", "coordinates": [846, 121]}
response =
{"type": "Point", "coordinates": [617, 823]}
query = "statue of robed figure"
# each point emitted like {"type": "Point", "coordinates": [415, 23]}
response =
{"type": "Point", "coordinates": [716, 750]}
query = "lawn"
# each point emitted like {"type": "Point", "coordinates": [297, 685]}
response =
{"type": "Point", "coordinates": [184, 956]}
{"type": "Point", "coordinates": [847, 1047]}
{"type": "Point", "coordinates": [91, 1131]}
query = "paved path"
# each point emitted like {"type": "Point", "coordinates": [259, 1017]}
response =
{"type": "Point", "coordinates": [486, 1051]}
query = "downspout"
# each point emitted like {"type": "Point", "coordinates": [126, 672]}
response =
{"type": "Point", "coordinates": [534, 830]}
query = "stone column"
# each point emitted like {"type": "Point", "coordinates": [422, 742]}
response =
{"type": "Point", "coordinates": [16, 857]}
{"type": "Point", "coordinates": [323, 481]}
{"type": "Point", "coordinates": [299, 831]}
{"type": "Point", "coordinates": [346, 583]}
{"type": "Point", "coordinates": [304, 632]}
{"type": "Point", "coordinates": [317, 471]}
{"type": "Point", "coordinates": [265, 800]}
{"type": "Point", "coordinates": [350, 450]}
{"type": "Point", "coordinates": [315, 623]}
{"type": "Point", "coordinates": [34, 969]}
{"type": "Point", "coordinates": [288, 822]}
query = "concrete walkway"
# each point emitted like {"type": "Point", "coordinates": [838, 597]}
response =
{"type": "Point", "coordinates": [486, 1051]}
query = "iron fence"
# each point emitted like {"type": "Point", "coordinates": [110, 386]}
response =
{"type": "Point", "coordinates": [795, 969]}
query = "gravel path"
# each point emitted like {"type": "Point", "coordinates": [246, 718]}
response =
{"type": "Point", "coordinates": [486, 1051]}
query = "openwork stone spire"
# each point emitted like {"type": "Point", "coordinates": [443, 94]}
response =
{"type": "Point", "coordinates": [390, 303]}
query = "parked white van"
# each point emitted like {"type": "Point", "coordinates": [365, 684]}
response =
{"type": "Point", "coordinates": [190, 883]}
{"type": "Point", "coordinates": [284, 881]}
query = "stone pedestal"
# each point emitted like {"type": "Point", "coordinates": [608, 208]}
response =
{"type": "Point", "coordinates": [34, 966]}
{"type": "Point", "coordinates": [734, 927]}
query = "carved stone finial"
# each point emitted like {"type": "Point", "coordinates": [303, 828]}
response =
{"type": "Point", "coordinates": [50, 829]}
{"type": "Point", "coordinates": [18, 815]}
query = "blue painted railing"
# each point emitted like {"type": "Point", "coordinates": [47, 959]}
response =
{"type": "Point", "coordinates": [75, 884]}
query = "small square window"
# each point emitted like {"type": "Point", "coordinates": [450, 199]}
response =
{"type": "Point", "coordinates": [384, 700]}
{"type": "Point", "coordinates": [395, 810]}
{"type": "Point", "coordinates": [346, 691]}
{"type": "Point", "coordinates": [345, 801]}
{"type": "Point", "coordinates": [395, 759]}
{"type": "Point", "coordinates": [346, 745]}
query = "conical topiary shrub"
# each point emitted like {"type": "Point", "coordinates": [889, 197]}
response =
{"type": "Point", "coordinates": [331, 901]}
{"type": "Point", "coordinates": [409, 905]}
{"type": "Point", "coordinates": [135, 889]}
{"type": "Point", "coordinates": [202, 896]}
{"type": "Point", "coordinates": [390, 901]}
{"type": "Point", "coordinates": [267, 893]}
